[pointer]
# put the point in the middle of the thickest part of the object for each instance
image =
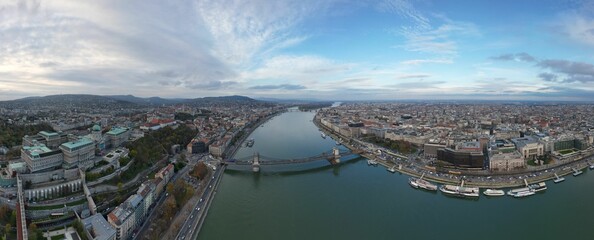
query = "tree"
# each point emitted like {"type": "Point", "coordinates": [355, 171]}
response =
{"type": "Point", "coordinates": [7, 229]}
{"type": "Point", "coordinates": [33, 232]}
{"type": "Point", "coordinates": [170, 188]}
{"type": "Point", "coordinates": [120, 187]}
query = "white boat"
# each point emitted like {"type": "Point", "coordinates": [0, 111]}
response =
{"type": "Point", "coordinates": [371, 162]}
{"type": "Point", "coordinates": [338, 143]}
{"type": "Point", "coordinates": [494, 192]}
{"type": "Point", "coordinates": [513, 192]}
{"type": "Point", "coordinates": [524, 194]}
{"type": "Point", "coordinates": [420, 183]}
{"type": "Point", "coordinates": [591, 167]}
{"type": "Point", "coordinates": [392, 170]}
{"type": "Point", "coordinates": [521, 192]}
{"type": "Point", "coordinates": [460, 191]}
{"type": "Point", "coordinates": [537, 187]}
{"type": "Point", "coordinates": [323, 135]}
{"type": "Point", "coordinates": [558, 180]}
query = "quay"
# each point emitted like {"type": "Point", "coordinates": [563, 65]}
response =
{"type": "Point", "coordinates": [471, 180]}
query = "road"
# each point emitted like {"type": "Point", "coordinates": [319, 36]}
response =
{"type": "Point", "coordinates": [198, 213]}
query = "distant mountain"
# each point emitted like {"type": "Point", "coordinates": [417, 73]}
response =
{"type": "Point", "coordinates": [147, 101]}
{"type": "Point", "coordinates": [67, 101]}
{"type": "Point", "coordinates": [283, 100]}
{"type": "Point", "coordinates": [225, 100]}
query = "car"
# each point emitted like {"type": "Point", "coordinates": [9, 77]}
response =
{"type": "Point", "coordinates": [198, 209]}
{"type": "Point", "coordinates": [201, 200]}
{"type": "Point", "coordinates": [191, 216]}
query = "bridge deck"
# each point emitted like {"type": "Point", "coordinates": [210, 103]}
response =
{"type": "Point", "coordinates": [263, 160]}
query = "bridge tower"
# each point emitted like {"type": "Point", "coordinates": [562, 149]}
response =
{"type": "Point", "coordinates": [256, 162]}
{"type": "Point", "coordinates": [336, 154]}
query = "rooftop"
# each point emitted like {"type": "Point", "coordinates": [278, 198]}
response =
{"type": "Point", "coordinates": [523, 141]}
{"type": "Point", "coordinates": [117, 130]}
{"type": "Point", "coordinates": [78, 143]}
{"type": "Point", "coordinates": [98, 227]}
{"type": "Point", "coordinates": [36, 150]}
{"type": "Point", "coordinates": [48, 134]}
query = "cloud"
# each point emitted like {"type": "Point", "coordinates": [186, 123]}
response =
{"type": "Point", "coordinates": [549, 77]}
{"type": "Point", "coordinates": [574, 71]}
{"type": "Point", "coordinates": [576, 26]}
{"type": "Point", "coordinates": [280, 86]}
{"type": "Point", "coordinates": [187, 46]}
{"type": "Point", "coordinates": [302, 68]}
{"type": "Point", "coordinates": [423, 61]}
{"type": "Point", "coordinates": [440, 40]}
{"type": "Point", "coordinates": [519, 57]}
{"type": "Point", "coordinates": [409, 76]}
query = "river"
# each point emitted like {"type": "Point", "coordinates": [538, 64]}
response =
{"type": "Point", "coordinates": [356, 201]}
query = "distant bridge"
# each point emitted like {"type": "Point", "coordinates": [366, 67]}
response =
{"type": "Point", "coordinates": [257, 160]}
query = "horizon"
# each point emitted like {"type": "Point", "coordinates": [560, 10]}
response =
{"type": "Point", "coordinates": [385, 50]}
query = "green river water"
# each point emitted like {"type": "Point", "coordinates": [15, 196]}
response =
{"type": "Point", "coordinates": [356, 201]}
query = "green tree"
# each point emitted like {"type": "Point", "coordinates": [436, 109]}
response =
{"type": "Point", "coordinates": [33, 232]}
{"type": "Point", "coordinates": [7, 229]}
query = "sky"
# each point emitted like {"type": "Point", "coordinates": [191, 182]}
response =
{"type": "Point", "coordinates": [299, 49]}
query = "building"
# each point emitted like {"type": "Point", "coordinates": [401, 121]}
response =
{"type": "Point", "coordinates": [506, 161]}
{"type": "Point", "coordinates": [146, 191]}
{"type": "Point", "coordinates": [197, 146]}
{"type": "Point", "coordinates": [78, 153]}
{"type": "Point", "coordinates": [123, 219]}
{"type": "Point", "coordinates": [97, 228]}
{"type": "Point", "coordinates": [466, 154]}
{"type": "Point", "coordinates": [430, 149]}
{"type": "Point", "coordinates": [528, 146]}
{"type": "Point", "coordinates": [216, 149]}
{"type": "Point", "coordinates": [52, 140]}
{"type": "Point", "coordinates": [573, 143]}
{"type": "Point", "coordinates": [117, 136]}
{"type": "Point", "coordinates": [39, 157]}
{"type": "Point", "coordinates": [165, 173]}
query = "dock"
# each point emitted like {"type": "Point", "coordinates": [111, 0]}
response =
{"type": "Point", "coordinates": [576, 172]}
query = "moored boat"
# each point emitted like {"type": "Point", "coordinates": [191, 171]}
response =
{"type": "Point", "coordinates": [524, 193]}
{"type": "Point", "coordinates": [460, 191]}
{"type": "Point", "coordinates": [392, 170]}
{"type": "Point", "coordinates": [420, 183]}
{"type": "Point", "coordinates": [558, 180]}
{"type": "Point", "coordinates": [537, 187]}
{"type": "Point", "coordinates": [494, 192]}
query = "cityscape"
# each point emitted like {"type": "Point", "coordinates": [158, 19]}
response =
{"type": "Point", "coordinates": [413, 119]}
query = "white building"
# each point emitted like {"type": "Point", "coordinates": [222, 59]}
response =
{"type": "Point", "coordinates": [528, 146]}
{"type": "Point", "coordinates": [39, 157]}
{"type": "Point", "coordinates": [78, 153]}
{"type": "Point", "coordinates": [502, 161]}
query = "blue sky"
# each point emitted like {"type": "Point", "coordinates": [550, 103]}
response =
{"type": "Point", "coordinates": [334, 49]}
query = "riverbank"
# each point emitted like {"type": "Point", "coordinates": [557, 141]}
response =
{"type": "Point", "coordinates": [482, 181]}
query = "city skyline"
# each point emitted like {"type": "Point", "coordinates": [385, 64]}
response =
{"type": "Point", "coordinates": [327, 50]}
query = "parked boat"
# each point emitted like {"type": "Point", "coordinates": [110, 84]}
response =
{"type": "Point", "coordinates": [323, 135]}
{"type": "Point", "coordinates": [371, 162]}
{"type": "Point", "coordinates": [250, 142]}
{"type": "Point", "coordinates": [392, 170]}
{"type": "Point", "coordinates": [521, 192]}
{"type": "Point", "coordinates": [494, 192]}
{"type": "Point", "coordinates": [420, 183]}
{"type": "Point", "coordinates": [541, 186]}
{"type": "Point", "coordinates": [460, 191]}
